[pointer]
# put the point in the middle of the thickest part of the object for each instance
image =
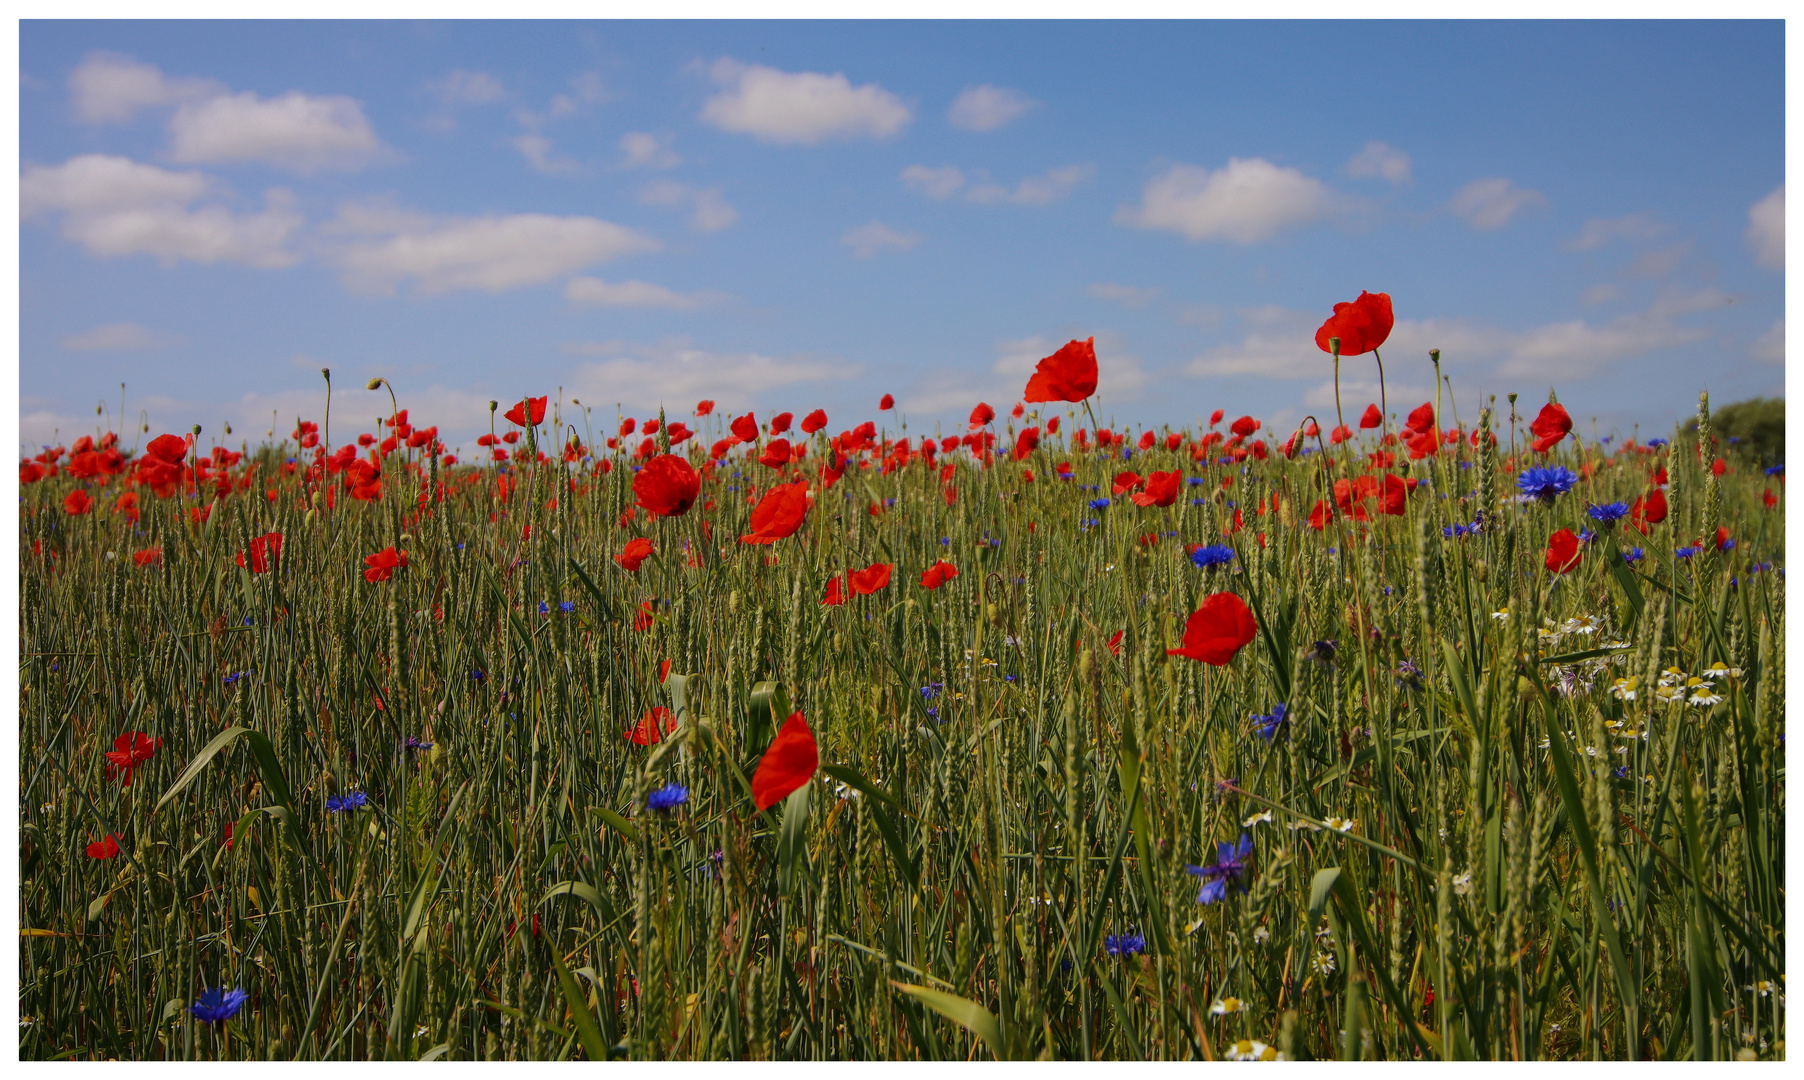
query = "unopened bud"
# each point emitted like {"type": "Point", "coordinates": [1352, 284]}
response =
{"type": "Point", "coordinates": [374, 383]}
{"type": "Point", "coordinates": [327, 372]}
{"type": "Point", "coordinates": [1334, 345]}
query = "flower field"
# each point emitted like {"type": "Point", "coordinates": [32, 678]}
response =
{"type": "Point", "coordinates": [1402, 734]}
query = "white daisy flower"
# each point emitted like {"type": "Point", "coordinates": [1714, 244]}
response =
{"type": "Point", "coordinates": [1263, 815]}
{"type": "Point", "coordinates": [1251, 1050]}
{"type": "Point", "coordinates": [1225, 1006]}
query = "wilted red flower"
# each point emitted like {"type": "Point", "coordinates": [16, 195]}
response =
{"type": "Point", "coordinates": [266, 551]}
{"type": "Point", "coordinates": [814, 421]}
{"type": "Point", "coordinates": [1550, 427]}
{"type": "Point", "coordinates": [1066, 375]}
{"type": "Point", "coordinates": [1361, 325]}
{"type": "Point", "coordinates": [981, 415]}
{"type": "Point", "coordinates": [1217, 630]}
{"type": "Point", "coordinates": [870, 579]}
{"type": "Point", "coordinates": [938, 574]}
{"type": "Point", "coordinates": [1563, 554]}
{"type": "Point", "coordinates": [518, 414]}
{"type": "Point", "coordinates": [77, 503]}
{"type": "Point", "coordinates": [638, 549]}
{"type": "Point", "coordinates": [1161, 489]}
{"type": "Point", "coordinates": [745, 428]}
{"type": "Point", "coordinates": [383, 564]}
{"type": "Point", "coordinates": [130, 751]}
{"type": "Point", "coordinates": [704, 407]}
{"type": "Point", "coordinates": [888, 402]}
{"type": "Point", "coordinates": [105, 848]}
{"type": "Point", "coordinates": [148, 557]}
{"type": "Point", "coordinates": [667, 486]}
{"type": "Point", "coordinates": [1244, 426]}
{"type": "Point", "coordinates": [779, 514]}
{"type": "Point", "coordinates": [657, 722]}
{"type": "Point", "coordinates": [787, 765]}
{"type": "Point", "coordinates": [1371, 418]}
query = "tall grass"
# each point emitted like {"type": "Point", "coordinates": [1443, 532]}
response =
{"type": "Point", "coordinates": [1003, 797]}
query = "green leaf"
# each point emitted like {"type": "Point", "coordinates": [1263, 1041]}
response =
{"type": "Point", "coordinates": [852, 778]}
{"type": "Point", "coordinates": [214, 746]}
{"type": "Point", "coordinates": [964, 1012]}
{"type": "Point", "coordinates": [1319, 889]}
{"type": "Point", "coordinates": [585, 892]}
{"type": "Point", "coordinates": [614, 821]}
{"type": "Point", "coordinates": [587, 1031]}
{"type": "Point", "coordinates": [792, 838]}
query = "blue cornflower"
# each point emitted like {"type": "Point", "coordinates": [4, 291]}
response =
{"type": "Point", "coordinates": [1465, 464]}
{"type": "Point", "coordinates": [1687, 552]}
{"type": "Point", "coordinates": [218, 1004]}
{"type": "Point", "coordinates": [1585, 536]}
{"type": "Point", "coordinates": [1409, 676]}
{"type": "Point", "coordinates": [478, 674]}
{"type": "Point", "coordinates": [933, 712]}
{"type": "Point", "coordinates": [353, 802]}
{"type": "Point", "coordinates": [1545, 483]}
{"type": "Point", "coordinates": [413, 743]}
{"type": "Point", "coordinates": [932, 690]}
{"type": "Point", "coordinates": [1633, 555]}
{"type": "Point", "coordinates": [1099, 504]}
{"type": "Point", "coordinates": [1452, 531]}
{"type": "Point", "coordinates": [1760, 568]}
{"type": "Point", "coordinates": [1126, 453]}
{"type": "Point", "coordinates": [945, 541]}
{"type": "Point", "coordinates": [1233, 865]}
{"type": "Point", "coordinates": [1606, 439]}
{"type": "Point", "coordinates": [1608, 512]}
{"type": "Point", "coordinates": [1726, 545]}
{"type": "Point", "coordinates": [544, 608]}
{"type": "Point", "coordinates": [566, 606]}
{"type": "Point", "coordinates": [667, 798]}
{"type": "Point", "coordinates": [1658, 442]}
{"type": "Point", "coordinates": [235, 676]}
{"type": "Point", "coordinates": [1775, 470]}
{"type": "Point", "coordinates": [1198, 502]}
{"type": "Point", "coordinates": [1124, 945]}
{"type": "Point", "coordinates": [1212, 555]}
{"type": "Point", "coordinates": [1733, 439]}
{"type": "Point", "coordinates": [1272, 723]}
{"type": "Point", "coordinates": [1622, 772]}
{"type": "Point", "coordinates": [1198, 481]}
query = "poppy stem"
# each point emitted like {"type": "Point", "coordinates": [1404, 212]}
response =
{"type": "Point", "coordinates": [1383, 405]}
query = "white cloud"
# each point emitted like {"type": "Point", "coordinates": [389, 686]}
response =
{"type": "Point", "coordinates": [633, 294]}
{"type": "Point", "coordinates": [1657, 263]}
{"type": "Point", "coordinates": [1600, 231]}
{"type": "Point", "coordinates": [675, 374]}
{"type": "Point", "coordinates": [467, 88]}
{"type": "Point", "coordinates": [1203, 315]}
{"type": "Point", "coordinates": [1356, 393]}
{"type": "Point", "coordinates": [1280, 344]}
{"type": "Point", "coordinates": [1770, 347]}
{"type": "Point", "coordinates": [1379, 159]}
{"type": "Point", "coordinates": [1247, 201]}
{"type": "Point", "coordinates": [1601, 294]}
{"type": "Point", "coordinates": [1576, 349]}
{"type": "Point", "coordinates": [937, 183]}
{"type": "Point", "coordinates": [641, 149]}
{"type": "Point", "coordinates": [1766, 230]}
{"type": "Point", "coordinates": [294, 131]}
{"type": "Point", "coordinates": [1121, 376]}
{"type": "Point", "coordinates": [708, 210]}
{"type": "Point", "coordinates": [1489, 203]}
{"type": "Point", "coordinates": [1034, 190]}
{"type": "Point", "coordinates": [867, 240]}
{"type": "Point", "coordinates": [493, 253]}
{"type": "Point", "coordinates": [1126, 295]}
{"type": "Point", "coordinates": [536, 149]}
{"type": "Point", "coordinates": [800, 108]}
{"type": "Point", "coordinates": [114, 206]}
{"type": "Point", "coordinates": [986, 107]}
{"type": "Point", "coordinates": [119, 337]}
{"type": "Point", "coordinates": [109, 88]}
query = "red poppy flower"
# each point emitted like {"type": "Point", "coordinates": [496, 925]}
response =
{"type": "Point", "coordinates": [1161, 489]}
{"type": "Point", "coordinates": [780, 423]}
{"type": "Point", "coordinates": [1550, 427]}
{"type": "Point", "coordinates": [652, 727]}
{"type": "Point", "coordinates": [1026, 442]}
{"type": "Point", "coordinates": [628, 427]}
{"type": "Point", "coordinates": [704, 407]}
{"type": "Point", "coordinates": [148, 557]}
{"type": "Point", "coordinates": [1421, 418]}
{"type": "Point", "coordinates": [888, 402]}
{"type": "Point", "coordinates": [130, 751]}
{"type": "Point", "coordinates": [776, 454]}
{"type": "Point", "coordinates": [1066, 375]}
{"type": "Point", "coordinates": [1769, 498]}
{"type": "Point", "coordinates": [106, 848]}
{"type": "Point", "coordinates": [1217, 630]}
{"type": "Point", "coordinates": [644, 617]}
{"type": "Point", "coordinates": [1371, 418]}
{"type": "Point", "coordinates": [266, 551]}
{"type": "Point", "coordinates": [1361, 325]}
{"type": "Point", "coordinates": [518, 414]}
{"type": "Point", "coordinates": [667, 486]}
{"type": "Point", "coordinates": [938, 574]}
{"type": "Point", "coordinates": [1126, 481]}
{"type": "Point", "coordinates": [1340, 434]}
{"type": "Point", "coordinates": [1320, 515]}
{"type": "Point", "coordinates": [787, 765]}
{"type": "Point", "coordinates": [1722, 537]}
{"type": "Point", "coordinates": [745, 428]}
{"type": "Point", "coordinates": [1718, 467]}
{"type": "Point", "coordinates": [870, 579]}
{"type": "Point", "coordinates": [1563, 554]}
{"type": "Point", "coordinates": [383, 564]}
{"type": "Point", "coordinates": [638, 549]}
{"type": "Point", "coordinates": [1244, 426]}
{"type": "Point", "coordinates": [77, 503]}
{"type": "Point", "coordinates": [981, 415]}
{"type": "Point", "coordinates": [30, 472]}
{"type": "Point", "coordinates": [1215, 417]}
{"type": "Point", "coordinates": [814, 421]}
{"type": "Point", "coordinates": [1651, 509]}
{"type": "Point", "coordinates": [835, 594]}
{"type": "Point", "coordinates": [779, 514]}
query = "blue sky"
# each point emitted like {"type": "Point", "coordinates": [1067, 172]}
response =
{"type": "Point", "coordinates": [791, 215]}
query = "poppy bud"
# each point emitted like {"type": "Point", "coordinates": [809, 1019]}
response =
{"type": "Point", "coordinates": [376, 383]}
{"type": "Point", "coordinates": [1334, 345]}
{"type": "Point", "coordinates": [327, 372]}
